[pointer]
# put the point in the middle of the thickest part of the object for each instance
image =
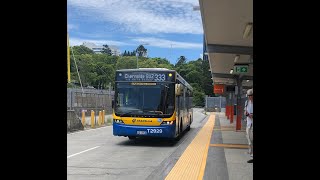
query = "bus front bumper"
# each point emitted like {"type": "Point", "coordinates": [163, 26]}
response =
{"type": "Point", "coordinates": [167, 131]}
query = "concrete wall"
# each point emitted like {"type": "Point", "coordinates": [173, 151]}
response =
{"type": "Point", "coordinates": [73, 121]}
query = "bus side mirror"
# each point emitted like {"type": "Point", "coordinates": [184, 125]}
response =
{"type": "Point", "coordinates": [112, 104]}
{"type": "Point", "coordinates": [179, 89]}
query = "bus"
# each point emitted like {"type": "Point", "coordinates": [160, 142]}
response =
{"type": "Point", "coordinates": [151, 102]}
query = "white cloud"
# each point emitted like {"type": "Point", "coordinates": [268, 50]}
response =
{"type": "Point", "coordinates": [72, 26]}
{"type": "Point", "coordinates": [163, 43]}
{"type": "Point", "coordinates": [144, 16]}
{"type": "Point", "coordinates": [79, 41]}
{"type": "Point", "coordinates": [147, 41]}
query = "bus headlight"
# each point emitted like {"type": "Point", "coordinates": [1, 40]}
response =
{"type": "Point", "coordinates": [118, 121]}
{"type": "Point", "coordinates": [167, 122]}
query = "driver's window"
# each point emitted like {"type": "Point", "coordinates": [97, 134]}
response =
{"type": "Point", "coordinates": [120, 99]}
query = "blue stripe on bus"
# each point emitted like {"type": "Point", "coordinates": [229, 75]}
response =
{"type": "Point", "coordinates": [168, 131]}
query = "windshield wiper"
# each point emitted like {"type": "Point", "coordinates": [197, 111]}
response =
{"type": "Point", "coordinates": [159, 112]}
{"type": "Point", "coordinates": [127, 113]}
{"type": "Point", "coordinates": [152, 110]}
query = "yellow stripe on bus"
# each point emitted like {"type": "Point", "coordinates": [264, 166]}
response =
{"type": "Point", "coordinates": [141, 121]}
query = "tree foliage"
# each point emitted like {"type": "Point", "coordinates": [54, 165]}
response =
{"type": "Point", "coordinates": [142, 51]}
{"type": "Point", "coordinates": [106, 50]}
{"type": "Point", "coordinates": [80, 50]}
{"type": "Point", "coordinates": [181, 60]}
{"type": "Point", "coordinates": [98, 70]}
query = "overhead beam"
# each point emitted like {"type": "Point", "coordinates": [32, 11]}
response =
{"type": "Point", "coordinates": [222, 75]}
{"type": "Point", "coordinates": [245, 77]}
{"type": "Point", "coordinates": [229, 49]}
{"type": "Point", "coordinates": [246, 87]}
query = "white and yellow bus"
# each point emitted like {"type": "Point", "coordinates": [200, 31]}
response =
{"type": "Point", "coordinates": [154, 102]}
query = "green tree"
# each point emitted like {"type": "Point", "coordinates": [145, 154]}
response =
{"type": "Point", "coordinates": [125, 53]}
{"type": "Point", "coordinates": [198, 98]}
{"type": "Point", "coordinates": [86, 68]}
{"type": "Point", "coordinates": [78, 50]}
{"type": "Point", "coordinates": [98, 70]}
{"type": "Point", "coordinates": [198, 95]}
{"type": "Point", "coordinates": [161, 60]}
{"type": "Point", "coordinates": [126, 62]}
{"type": "Point", "coordinates": [142, 51]}
{"type": "Point", "coordinates": [193, 76]}
{"type": "Point", "coordinates": [206, 81]}
{"type": "Point", "coordinates": [106, 50]}
{"type": "Point", "coordinates": [181, 60]}
{"type": "Point", "coordinates": [105, 75]}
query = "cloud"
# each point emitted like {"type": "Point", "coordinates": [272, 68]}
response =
{"type": "Point", "coordinates": [142, 16]}
{"type": "Point", "coordinates": [72, 26]}
{"type": "Point", "coordinates": [149, 41]}
{"type": "Point", "coordinates": [163, 43]}
{"type": "Point", "coordinates": [79, 41]}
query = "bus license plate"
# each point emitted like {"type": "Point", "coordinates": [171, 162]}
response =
{"type": "Point", "coordinates": [141, 132]}
{"type": "Point", "coordinates": [154, 131]}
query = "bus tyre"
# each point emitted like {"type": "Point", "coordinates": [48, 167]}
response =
{"type": "Point", "coordinates": [131, 137]}
{"type": "Point", "coordinates": [188, 128]}
{"type": "Point", "coordinates": [179, 131]}
{"type": "Point", "coordinates": [181, 127]}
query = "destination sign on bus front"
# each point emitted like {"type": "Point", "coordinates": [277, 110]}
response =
{"type": "Point", "coordinates": [142, 76]}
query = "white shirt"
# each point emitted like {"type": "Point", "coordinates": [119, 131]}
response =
{"type": "Point", "coordinates": [249, 109]}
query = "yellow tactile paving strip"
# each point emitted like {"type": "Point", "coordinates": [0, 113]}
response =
{"type": "Point", "coordinates": [192, 163]}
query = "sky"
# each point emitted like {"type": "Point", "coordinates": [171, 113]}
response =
{"type": "Point", "coordinates": [167, 28]}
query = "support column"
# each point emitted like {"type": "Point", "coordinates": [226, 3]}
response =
{"type": "Point", "coordinates": [232, 108]}
{"type": "Point", "coordinates": [226, 112]}
{"type": "Point", "coordinates": [239, 108]}
{"type": "Point", "coordinates": [229, 105]}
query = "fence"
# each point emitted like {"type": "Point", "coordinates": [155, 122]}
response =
{"type": "Point", "coordinates": [215, 103]}
{"type": "Point", "coordinates": [88, 100]}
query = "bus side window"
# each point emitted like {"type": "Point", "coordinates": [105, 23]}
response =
{"type": "Point", "coordinates": [184, 98]}
{"type": "Point", "coordinates": [187, 96]}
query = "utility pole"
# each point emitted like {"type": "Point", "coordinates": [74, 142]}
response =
{"type": "Point", "coordinates": [68, 59]}
{"type": "Point", "coordinates": [137, 58]}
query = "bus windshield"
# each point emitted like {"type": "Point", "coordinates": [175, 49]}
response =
{"type": "Point", "coordinates": [155, 99]}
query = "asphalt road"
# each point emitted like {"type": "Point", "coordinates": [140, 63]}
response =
{"type": "Point", "coordinates": [97, 154]}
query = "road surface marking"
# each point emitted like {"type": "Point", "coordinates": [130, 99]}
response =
{"type": "Point", "coordinates": [82, 152]}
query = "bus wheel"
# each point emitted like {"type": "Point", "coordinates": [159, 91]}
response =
{"type": "Point", "coordinates": [188, 128]}
{"type": "Point", "coordinates": [181, 127]}
{"type": "Point", "coordinates": [176, 139]}
{"type": "Point", "coordinates": [131, 137]}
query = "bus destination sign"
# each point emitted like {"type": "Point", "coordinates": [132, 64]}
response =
{"type": "Point", "coordinates": [144, 76]}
